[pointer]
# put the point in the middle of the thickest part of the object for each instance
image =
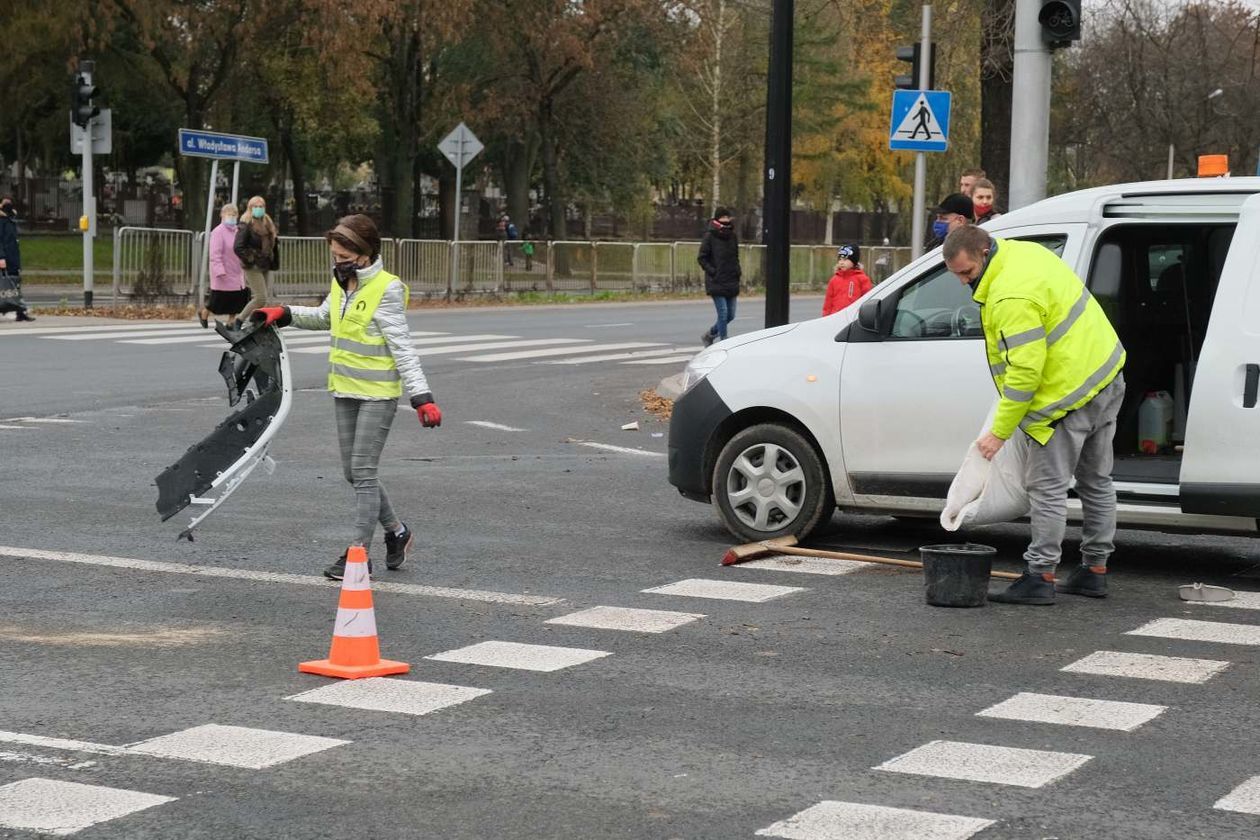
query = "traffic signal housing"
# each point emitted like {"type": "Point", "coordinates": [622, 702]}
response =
{"type": "Point", "coordinates": [914, 55]}
{"type": "Point", "coordinates": [1060, 22]}
{"type": "Point", "coordinates": [82, 110]}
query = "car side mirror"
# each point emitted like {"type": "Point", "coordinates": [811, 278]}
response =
{"type": "Point", "coordinates": [869, 315]}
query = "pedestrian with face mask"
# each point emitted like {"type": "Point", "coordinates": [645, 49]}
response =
{"type": "Point", "coordinates": [228, 293]}
{"type": "Point", "coordinates": [257, 247]}
{"type": "Point", "coordinates": [719, 257]}
{"type": "Point", "coordinates": [984, 200]}
{"type": "Point", "coordinates": [11, 261]}
{"type": "Point", "coordinates": [954, 211]}
{"type": "Point", "coordinates": [371, 363]}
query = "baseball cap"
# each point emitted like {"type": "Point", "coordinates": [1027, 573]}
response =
{"type": "Point", "coordinates": [955, 203]}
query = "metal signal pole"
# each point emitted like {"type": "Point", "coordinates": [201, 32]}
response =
{"type": "Point", "coordinates": [776, 227]}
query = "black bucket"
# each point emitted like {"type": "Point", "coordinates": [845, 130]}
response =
{"type": "Point", "coordinates": [957, 575]}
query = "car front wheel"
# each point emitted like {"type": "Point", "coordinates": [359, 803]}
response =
{"type": "Point", "coordinates": [770, 482]}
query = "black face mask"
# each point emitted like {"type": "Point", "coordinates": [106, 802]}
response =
{"type": "Point", "coordinates": [345, 271]}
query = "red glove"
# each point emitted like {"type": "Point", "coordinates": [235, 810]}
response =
{"type": "Point", "coordinates": [267, 315]}
{"type": "Point", "coordinates": [430, 415]}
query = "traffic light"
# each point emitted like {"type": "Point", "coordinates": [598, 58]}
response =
{"type": "Point", "coordinates": [1060, 22]}
{"type": "Point", "coordinates": [914, 55]}
{"type": "Point", "coordinates": [82, 110]}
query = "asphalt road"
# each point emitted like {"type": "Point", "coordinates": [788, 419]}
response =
{"type": "Point", "coordinates": [160, 671]}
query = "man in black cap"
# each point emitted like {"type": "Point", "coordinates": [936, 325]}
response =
{"type": "Point", "coordinates": [954, 211]}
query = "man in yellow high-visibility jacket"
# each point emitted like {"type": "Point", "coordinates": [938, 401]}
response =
{"type": "Point", "coordinates": [1056, 362]}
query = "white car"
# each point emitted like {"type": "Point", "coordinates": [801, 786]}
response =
{"type": "Point", "coordinates": [873, 408]}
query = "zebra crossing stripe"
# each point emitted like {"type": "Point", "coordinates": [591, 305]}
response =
{"type": "Point", "coordinates": [633, 354]}
{"type": "Point", "coordinates": [559, 351]}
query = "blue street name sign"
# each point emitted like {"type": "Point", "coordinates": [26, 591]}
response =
{"type": "Point", "coordinates": [210, 144]}
{"type": "Point", "coordinates": [920, 121]}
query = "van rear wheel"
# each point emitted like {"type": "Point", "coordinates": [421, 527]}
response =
{"type": "Point", "coordinates": [768, 482]}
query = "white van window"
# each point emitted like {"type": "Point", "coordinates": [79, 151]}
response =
{"type": "Point", "coordinates": [938, 305]}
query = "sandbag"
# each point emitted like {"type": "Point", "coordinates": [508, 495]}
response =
{"type": "Point", "coordinates": [986, 492]}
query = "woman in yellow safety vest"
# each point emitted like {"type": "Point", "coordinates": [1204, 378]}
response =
{"type": "Point", "coordinates": [371, 362]}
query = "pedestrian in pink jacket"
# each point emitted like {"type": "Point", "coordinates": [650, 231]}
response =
{"type": "Point", "coordinates": [228, 292]}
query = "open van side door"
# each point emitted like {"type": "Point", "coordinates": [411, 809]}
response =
{"type": "Point", "coordinates": [1220, 470]}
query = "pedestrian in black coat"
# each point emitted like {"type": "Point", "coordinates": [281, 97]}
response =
{"type": "Point", "coordinates": [719, 257]}
{"type": "Point", "coordinates": [11, 257]}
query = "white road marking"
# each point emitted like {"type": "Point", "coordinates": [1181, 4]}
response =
{"type": "Point", "coordinates": [600, 326]}
{"type": "Point", "coordinates": [63, 808]}
{"type": "Point", "coordinates": [383, 694]}
{"type": "Point", "coordinates": [668, 360]}
{"type": "Point", "coordinates": [1074, 711]}
{"type": "Point", "coordinates": [273, 577]}
{"type": "Point", "coordinates": [615, 357]}
{"type": "Point", "coordinates": [627, 619]}
{"type": "Point", "coordinates": [520, 656]}
{"type": "Point", "coordinates": [194, 333]}
{"type": "Point", "coordinates": [807, 565]}
{"type": "Point", "coordinates": [12, 428]}
{"type": "Point", "coordinates": [624, 450]}
{"type": "Point", "coordinates": [422, 343]}
{"type": "Point", "coordinates": [486, 424]}
{"type": "Point", "coordinates": [1241, 601]}
{"type": "Point", "coordinates": [446, 350]}
{"type": "Point", "coordinates": [40, 420]}
{"type": "Point", "coordinates": [175, 339]}
{"type": "Point", "coordinates": [1200, 631]}
{"type": "Point", "coordinates": [558, 351]}
{"type": "Point", "coordinates": [1145, 666]}
{"type": "Point", "coordinates": [1244, 799]}
{"type": "Point", "coordinates": [855, 821]}
{"type": "Point", "coordinates": [46, 760]}
{"type": "Point", "coordinates": [60, 743]}
{"type": "Point", "coordinates": [297, 338]}
{"type": "Point", "coordinates": [725, 590]}
{"type": "Point", "coordinates": [984, 763]}
{"type": "Point", "coordinates": [95, 328]}
{"type": "Point", "coordinates": [235, 746]}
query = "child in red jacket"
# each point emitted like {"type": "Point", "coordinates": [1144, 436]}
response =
{"type": "Point", "coordinates": [848, 283]}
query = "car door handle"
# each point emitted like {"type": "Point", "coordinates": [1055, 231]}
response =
{"type": "Point", "coordinates": [1251, 385]}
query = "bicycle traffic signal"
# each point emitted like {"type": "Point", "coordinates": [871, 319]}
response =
{"type": "Point", "coordinates": [1060, 22]}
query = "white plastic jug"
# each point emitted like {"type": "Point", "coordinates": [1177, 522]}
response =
{"type": "Point", "coordinates": [1155, 418]}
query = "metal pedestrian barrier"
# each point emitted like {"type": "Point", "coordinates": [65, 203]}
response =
{"type": "Point", "coordinates": [158, 265]}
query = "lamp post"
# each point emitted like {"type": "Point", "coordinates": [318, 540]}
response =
{"type": "Point", "coordinates": [1172, 149]}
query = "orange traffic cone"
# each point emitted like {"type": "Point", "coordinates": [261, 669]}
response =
{"type": "Point", "coordinates": [355, 651]}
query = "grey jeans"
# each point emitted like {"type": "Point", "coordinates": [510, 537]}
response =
{"type": "Point", "coordinates": [362, 427]}
{"type": "Point", "coordinates": [1081, 447]}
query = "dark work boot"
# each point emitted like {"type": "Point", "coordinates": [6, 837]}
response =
{"type": "Point", "coordinates": [708, 338]}
{"type": "Point", "coordinates": [1031, 588]}
{"type": "Point", "coordinates": [1090, 581]}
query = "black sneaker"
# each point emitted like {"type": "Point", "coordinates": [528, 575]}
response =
{"type": "Point", "coordinates": [708, 338]}
{"type": "Point", "coordinates": [23, 315]}
{"type": "Point", "coordinates": [337, 571]}
{"type": "Point", "coordinates": [1034, 589]}
{"type": "Point", "coordinates": [1085, 580]}
{"type": "Point", "coordinates": [397, 546]}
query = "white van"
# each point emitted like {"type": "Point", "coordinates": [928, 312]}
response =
{"type": "Point", "coordinates": [872, 408]}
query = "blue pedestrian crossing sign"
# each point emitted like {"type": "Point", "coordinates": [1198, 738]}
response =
{"type": "Point", "coordinates": [920, 121]}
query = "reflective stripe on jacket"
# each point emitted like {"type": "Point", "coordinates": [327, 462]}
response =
{"type": "Point", "coordinates": [1050, 346]}
{"type": "Point", "coordinates": [359, 361]}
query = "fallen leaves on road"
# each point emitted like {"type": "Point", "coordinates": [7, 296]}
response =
{"type": "Point", "coordinates": [655, 404]}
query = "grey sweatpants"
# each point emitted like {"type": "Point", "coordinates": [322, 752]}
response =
{"type": "Point", "coordinates": [1081, 447]}
{"type": "Point", "coordinates": [362, 427]}
{"type": "Point", "coordinates": [259, 283]}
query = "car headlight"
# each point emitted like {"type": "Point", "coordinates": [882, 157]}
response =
{"type": "Point", "coordinates": [701, 366]}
